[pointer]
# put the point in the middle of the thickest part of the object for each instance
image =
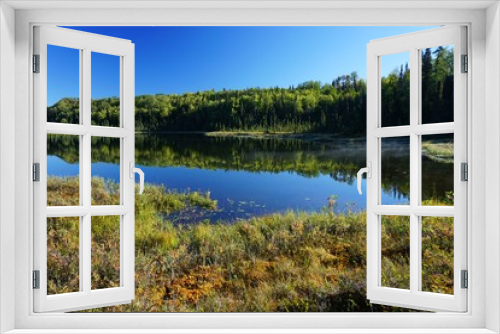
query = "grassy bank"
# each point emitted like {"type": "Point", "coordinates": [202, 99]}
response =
{"type": "Point", "coordinates": [306, 136]}
{"type": "Point", "coordinates": [294, 261]}
{"type": "Point", "coordinates": [441, 152]}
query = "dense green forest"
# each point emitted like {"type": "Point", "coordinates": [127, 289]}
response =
{"type": "Point", "coordinates": [338, 107]}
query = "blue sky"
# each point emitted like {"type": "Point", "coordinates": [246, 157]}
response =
{"type": "Point", "coordinates": [189, 59]}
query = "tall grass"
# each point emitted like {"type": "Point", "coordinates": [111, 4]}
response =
{"type": "Point", "coordinates": [289, 262]}
{"type": "Point", "coordinates": [438, 151]}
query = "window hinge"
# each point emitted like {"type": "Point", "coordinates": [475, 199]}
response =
{"type": "Point", "coordinates": [465, 64]}
{"type": "Point", "coordinates": [36, 63]}
{"type": "Point", "coordinates": [36, 279]}
{"type": "Point", "coordinates": [464, 171]}
{"type": "Point", "coordinates": [36, 172]}
{"type": "Point", "coordinates": [465, 279]}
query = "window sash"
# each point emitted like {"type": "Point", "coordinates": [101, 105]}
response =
{"type": "Point", "coordinates": [414, 43]}
{"type": "Point", "coordinates": [86, 297]}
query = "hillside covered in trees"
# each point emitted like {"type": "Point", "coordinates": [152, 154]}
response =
{"type": "Point", "coordinates": [338, 107]}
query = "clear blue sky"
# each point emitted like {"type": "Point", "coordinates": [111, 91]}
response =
{"type": "Point", "coordinates": [189, 59]}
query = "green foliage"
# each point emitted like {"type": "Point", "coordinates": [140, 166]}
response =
{"type": "Point", "coordinates": [295, 261]}
{"type": "Point", "coordinates": [63, 191]}
{"type": "Point", "coordinates": [437, 85]}
{"type": "Point", "coordinates": [63, 254]}
{"type": "Point", "coordinates": [105, 251]}
{"type": "Point", "coordinates": [395, 93]}
{"type": "Point", "coordinates": [395, 251]}
{"type": "Point", "coordinates": [439, 151]}
{"type": "Point", "coordinates": [65, 111]}
{"type": "Point", "coordinates": [437, 90]}
{"type": "Point", "coordinates": [437, 254]}
{"type": "Point", "coordinates": [339, 107]}
{"type": "Point", "coordinates": [311, 107]}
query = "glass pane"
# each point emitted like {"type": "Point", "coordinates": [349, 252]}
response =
{"type": "Point", "coordinates": [105, 252]}
{"type": "Point", "coordinates": [63, 257]}
{"type": "Point", "coordinates": [395, 251]}
{"type": "Point", "coordinates": [63, 169]}
{"type": "Point", "coordinates": [105, 89]}
{"type": "Point", "coordinates": [437, 84]}
{"type": "Point", "coordinates": [437, 254]}
{"type": "Point", "coordinates": [395, 169]}
{"type": "Point", "coordinates": [105, 171]}
{"type": "Point", "coordinates": [63, 85]}
{"type": "Point", "coordinates": [437, 169]}
{"type": "Point", "coordinates": [395, 89]}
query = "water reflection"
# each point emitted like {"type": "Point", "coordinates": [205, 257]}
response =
{"type": "Point", "coordinates": [253, 176]}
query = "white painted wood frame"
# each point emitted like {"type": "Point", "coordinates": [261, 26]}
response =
{"type": "Point", "coordinates": [414, 44]}
{"type": "Point", "coordinates": [482, 315]}
{"type": "Point", "coordinates": [86, 43]}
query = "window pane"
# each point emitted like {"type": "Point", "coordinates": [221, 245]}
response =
{"type": "Point", "coordinates": [395, 231]}
{"type": "Point", "coordinates": [63, 257]}
{"type": "Point", "coordinates": [437, 254]}
{"type": "Point", "coordinates": [63, 85]}
{"type": "Point", "coordinates": [105, 89]}
{"type": "Point", "coordinates": [437, 84]}
{"type": "Point", "coordinates": [105, 252]}
{"type": "Point", "coordinates": [63, 169]}
{"type": "Point", "coordinates": [105, 171]}
{"type": "Point", "coordinates": [395, 89]}
{"type": "Point", "coordinates": [395, 168]}
{"type": "Point", "coordinates": [437, 170]}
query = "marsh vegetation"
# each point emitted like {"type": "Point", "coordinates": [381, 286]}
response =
{"type": "Point", "coordinates": [292, 261]}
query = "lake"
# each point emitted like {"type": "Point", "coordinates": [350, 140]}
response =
{"type": "Point", "coordinates": [257, 175]}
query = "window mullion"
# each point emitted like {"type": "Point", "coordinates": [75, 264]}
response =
{"type": "Point", "coordinates": [86, 160]}
{"type": "Point", "coordinates": [423, 211]}
{"type": "Point", "coordinates": [420, 129]}
{"type": "Point", "coordinates": [414, 172]}
{"type": "Point", "coordinates": [86, 253]}
{"type": "Point", "coordinates": [81, 225]}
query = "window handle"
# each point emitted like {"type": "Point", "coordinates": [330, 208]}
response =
{"type": "Point", "coordinates": [134, 170]}
{"type": "Point", "coordinates": [368, 171]}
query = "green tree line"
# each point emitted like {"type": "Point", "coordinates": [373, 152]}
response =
{"type": "Point", "coordinates": [338, 107]}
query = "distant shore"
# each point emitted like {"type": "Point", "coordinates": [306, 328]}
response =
{"type": "Point", "coordinates": [260, 134]}
{"type": "Point", "coordinates": [438, 151]}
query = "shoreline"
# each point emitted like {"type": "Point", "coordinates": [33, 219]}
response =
{"type": "Point", "coordinates": [259, 134]}
{"type": "Point", "coordinates": [436, 151]}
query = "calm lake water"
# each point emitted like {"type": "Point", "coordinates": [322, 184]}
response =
{"type": "Point", "coordinates": [251, 176]}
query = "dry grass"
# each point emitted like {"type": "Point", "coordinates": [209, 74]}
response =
{"type": "Point", "coordinates": [297, 261]}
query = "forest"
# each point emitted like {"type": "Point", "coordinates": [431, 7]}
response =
{"type": "Point", "coordinates": [338, 107]}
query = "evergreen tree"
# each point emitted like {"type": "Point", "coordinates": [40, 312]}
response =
{"type": "Point", "coordinates": [339, 107]}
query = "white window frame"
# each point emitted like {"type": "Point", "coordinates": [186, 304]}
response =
{"type": "Point", "coordinates": [483, 50]}
{"type": "Point", "coordinates": [414, 43]}
{"type": "Point", "coordinates": [86, 44]}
